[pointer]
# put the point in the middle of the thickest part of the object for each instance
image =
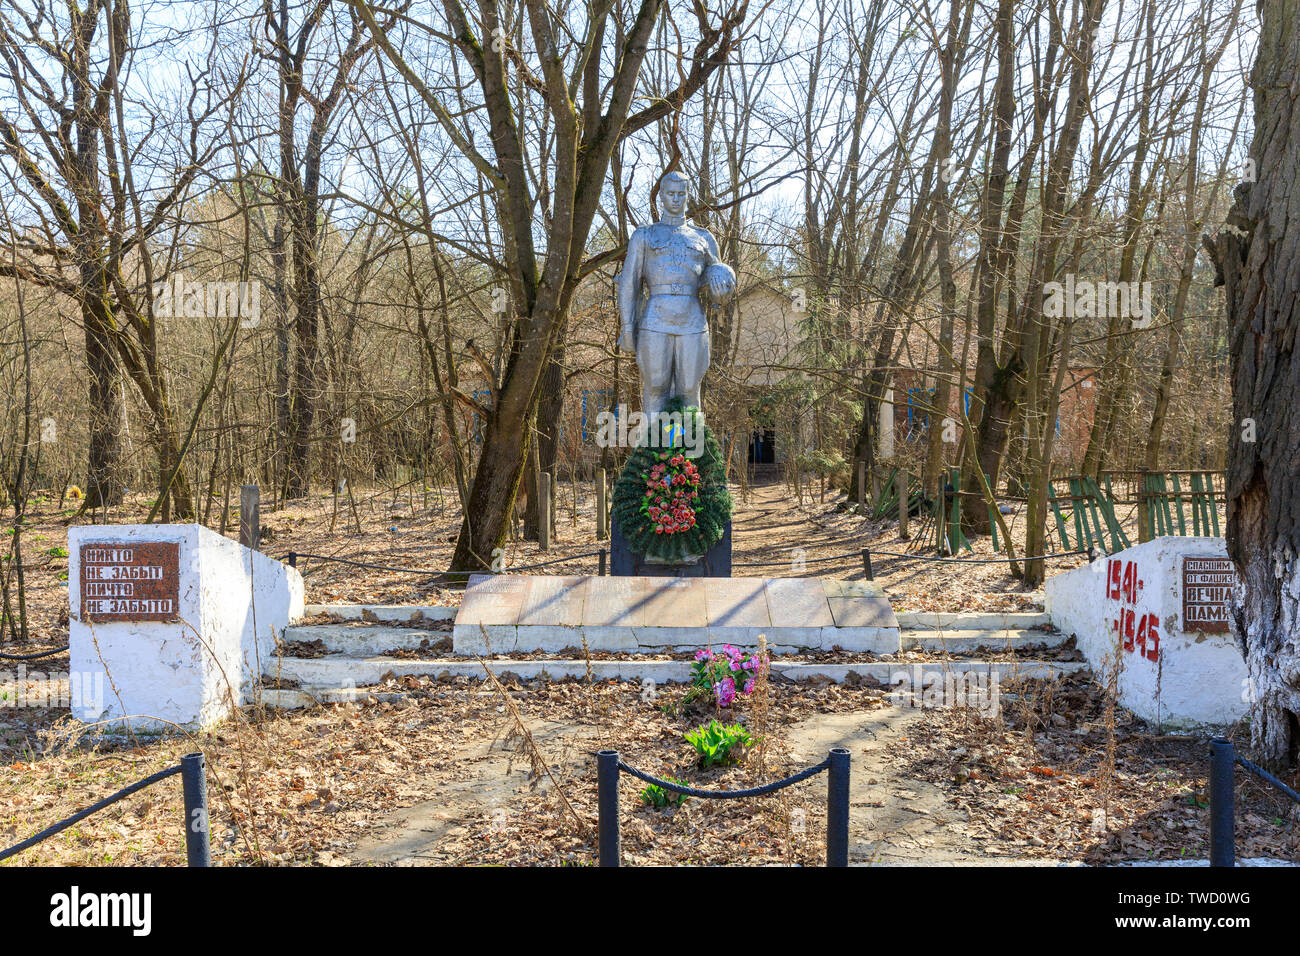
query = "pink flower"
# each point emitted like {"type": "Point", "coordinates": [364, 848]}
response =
{"type": "Point", "coordinates": [725, 690]}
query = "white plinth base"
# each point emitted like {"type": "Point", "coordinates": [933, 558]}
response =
{"type": "Point", "coordinates": [653, 615]}
{"type": "Point", "coordinates": [1185, 678]}
{"type": "Point", "coordinates": [194, 670]}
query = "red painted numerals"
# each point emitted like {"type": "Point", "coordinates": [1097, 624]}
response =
{"type": "Point", "coordinates": [1140, 635]}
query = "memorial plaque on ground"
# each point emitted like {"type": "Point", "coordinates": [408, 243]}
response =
{"type": "Point", "coordinates": [129, 582]}
{"type": "Point", "coordinates": [1207, 588]}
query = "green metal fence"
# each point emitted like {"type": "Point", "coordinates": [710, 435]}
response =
{"type": "Point", "coordinates": [1085, 511]}
{"type": "Point", "coordinates": [1178, 503]}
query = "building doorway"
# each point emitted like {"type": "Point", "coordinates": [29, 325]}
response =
{"type": "Point", "coordinates": [762, 447]}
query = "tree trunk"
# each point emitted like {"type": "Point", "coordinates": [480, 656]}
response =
{"type": "Point", "coordinates": [939, 433]}
{"type": "Point", "coordinates": [104, 477]}
{"type": "Point", "coordinates": [305, 395]}
{"type": "Point", "coordinates": [987, 374]}
{"type": "Point", "coordinates": [506, 443]}
{"type": "Point", "coordinates": [1259, 255]}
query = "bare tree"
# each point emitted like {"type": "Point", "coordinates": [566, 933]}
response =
{"type": "Point", "coordinates": [1258, 254]}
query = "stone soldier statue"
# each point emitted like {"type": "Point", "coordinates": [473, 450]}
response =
{"type": "Point", "coordinates": [675, 262]}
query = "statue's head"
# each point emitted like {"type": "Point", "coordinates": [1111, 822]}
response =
{"type": "Point", "coordinates": [673, 190]}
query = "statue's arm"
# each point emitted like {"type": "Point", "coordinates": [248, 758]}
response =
{"type": "Point", "coordinates": [722, 281]}
{"type": "Point", "coordinates": [629, 281]}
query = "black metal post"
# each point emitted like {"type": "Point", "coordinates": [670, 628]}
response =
{"type": "Point", "coordinates": [1223, 838]}
{"type": "Point", "coordinates": [293, 559]}
{"type": "Point", "coordinates": [866, 564]}
{"type": "Point", "coordinates": [194, 780]}
{"type": "Point", "coordinates": [607, 806]}
{"type": "Point", "coordinates": [837, 808]}
{"type": "Point", "coordinates": [602, 563]}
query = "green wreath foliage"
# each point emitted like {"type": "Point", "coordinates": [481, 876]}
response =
{"type": "Point", "coordinates": [712, 507]}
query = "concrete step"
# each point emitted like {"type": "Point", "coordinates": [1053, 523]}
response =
{"type": "Point", "coordinates": [405, 613]}
{"type": "Point", "coordinates": [559, 638]}
{"type": "Point", "coordinates": [293, 698]}
{"type": "Point", "coordinates": [971, 620]}
{"type": "Point", "coordinates": [377, 639]}
{"type": "Point", "coordinates": [326, 674]}
{"type": "Point", "coordinates": [965, 641]}
{"type": "Point", "coordinates": [367, 640]}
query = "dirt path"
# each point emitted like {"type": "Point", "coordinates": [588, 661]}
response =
{"type": "Point", "coordinates": [893, 818]}
{"type": "Point", "coordinates": [488, 780]}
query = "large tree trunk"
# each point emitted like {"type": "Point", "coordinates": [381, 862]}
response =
{"type": "Point", "coordinates": [934, 457]}
{"type": "Point", "coordinates": [1259, 255]}
{"type": "Point", "coordinates": [506, 446]}
{"type": "Point", "coordinates": [306, 390]}
{"type": "Point", "coordinates": [988, 377]}
{"type": "Point", "coordinates": [104, 477]}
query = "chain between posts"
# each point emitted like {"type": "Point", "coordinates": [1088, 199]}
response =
{"type": "Point", "coordinates": [836, 765]}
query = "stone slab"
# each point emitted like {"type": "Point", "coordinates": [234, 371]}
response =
{"type": "Point", "coordinates": [383, 612]}
{"type": "Point", "coordinates": [675, 603]}
{"type": "Point", "coordinates": [615, 602]}
{"type": "Point", "coordinates": [798, 602]}
{"type": "Point", "coordinates": [877, 640]}
{"type": "Point", "coordinates": [835, 588]}
{"type": "Point", "coordinates": [493, 599]}
{"type": "Point", "coordinates": [553, 600]}
{"type": "Point", "coordinates": [971, 620]}
{"type": "Point", "coordinates": [737, 602]}
{"type": "Point", "coordinates": [470, 638]}
{"type": "Point", "coordinates": [646, 614]}
{"type": "Point", "coordinates": [341, 673]}
{"type": "Point", "coordinates": [861, 612]}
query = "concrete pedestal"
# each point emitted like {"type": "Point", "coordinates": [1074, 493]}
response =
{"type": "Point", "coordinates": [624, 562]}
{"type": "Point", "coordinates": [1159, 611]}
{"type": "Point", "coordinates": [505, 613]}
{"type": "Point", "coordinates": [176, 620]}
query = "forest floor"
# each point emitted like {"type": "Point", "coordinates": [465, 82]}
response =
{"type": "Point", "coordinates": [447, 774]}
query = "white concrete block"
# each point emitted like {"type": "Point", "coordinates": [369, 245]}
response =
{"type": "Point", "coordinates": [1182, 678]}
{"type": "Point", "coordinates": [877, 640]}
{"type": "Point", "coordinates": [469, 638]}
{"type": "Point", "coordinates": [193, 668]}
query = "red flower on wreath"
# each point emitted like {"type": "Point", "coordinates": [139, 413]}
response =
{"type": "Point", "coordinates": [671, 486]}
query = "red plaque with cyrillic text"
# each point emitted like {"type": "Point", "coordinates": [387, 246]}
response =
{"type": "Point", "coordinates": [130, 582]}
{"type": "Point", "coordinates": [1207, 590]}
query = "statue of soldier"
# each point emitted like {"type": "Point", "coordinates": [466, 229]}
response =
{"type": "Point", "coordinates": [675, 262]}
